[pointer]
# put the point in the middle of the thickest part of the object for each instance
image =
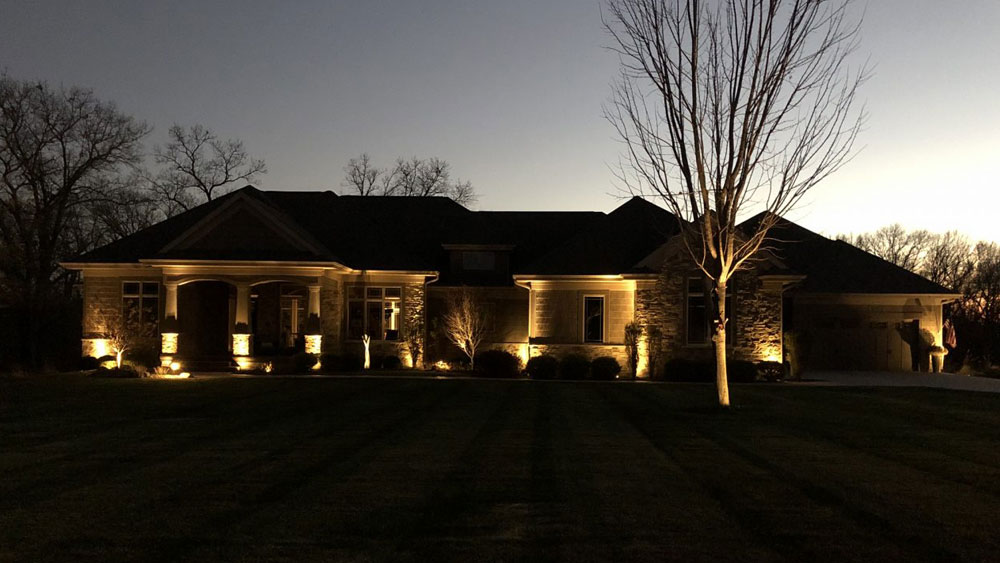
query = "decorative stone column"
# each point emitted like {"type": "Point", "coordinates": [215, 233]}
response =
{"type": "Point", "coordinates": [241, 330]}
{"type": "Point", "coordinates": [169, 327]}
{"type": "Point", "coordinates": [314, 330]}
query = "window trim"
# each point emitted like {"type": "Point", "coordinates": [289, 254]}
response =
{"type": "Point", "coordinates": [364, 300]}
{"type": "Point", "coordinates": [604, 317]}
{"type": "Point", "coordinates": [141, 296]}
{"type": "Point", "coordinates": [710, 314]}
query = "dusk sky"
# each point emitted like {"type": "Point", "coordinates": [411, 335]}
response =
{"type": "Point", "coordinates": [510, 93]}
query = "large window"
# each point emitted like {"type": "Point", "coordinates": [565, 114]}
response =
{"type": "Point", "coordinates": [141, 306]}
{"type": "Point", "coordinates": [374, 311]}
{"type": "Point", "coordinates": [702, 312]}
{"type": "Point", "coordinates": [593, 318]}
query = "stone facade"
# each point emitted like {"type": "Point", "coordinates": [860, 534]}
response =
{"type": "Point", "coordinates": [756, 314]}
{"type": "Point", "coordinates": [414, 307]}
{"type": "Point", "coordinates": [331, 313]}
{"type": "Point", "coordinates": [589, 351]}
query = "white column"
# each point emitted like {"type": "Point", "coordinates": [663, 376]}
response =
{"type": "Point", "coordinates": [314, 340]}
{"type": "Point", "coordinates": [243, 304]}
{"type": "Point", "coordinates": [170, 301]}
{"type": "Point", "coordinates": [313, 307]}
{"type": "Point", "coordinates": [169, 330]}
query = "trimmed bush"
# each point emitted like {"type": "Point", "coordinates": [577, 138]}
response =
{"type": "Point", "coordinates": [392, 362]}
{"type": "Point", "coordinates": [303, 362]}
{"type": "Point", "coordinates": [604, 368]}
{"type": "Point", "coordinates": [497, 363]}
{"type": "Point", "coordinates": [542, 367]}
{"type": "Point", "coordinates": [770, 371]}
{"type": "Point", "coordinates": [124, 372]}
{"type": "Point", "coordinates": [679, 369]}
{"type": "Point", "coordinates": [351, 362]}
{"type": "Point", "coordinates": [88, 363]}
{"type": "Point", "coordinates": [145, 357]}
{"type": "Point", "coordinates": [574, 366]}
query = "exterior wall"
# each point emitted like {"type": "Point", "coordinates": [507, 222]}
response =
{"type": "Point", "coordinates": [590, 351]}
{"type": "Point", "coordinates": [331, 314]}
{"type": "Point", "coordinates": [102, 299]}
{"type": "Point", "coordinates": [414, 308]}
{"type": "Point", "coordinates": [508, 306]}
{"type": "Point", "coordinates": [756, 314]}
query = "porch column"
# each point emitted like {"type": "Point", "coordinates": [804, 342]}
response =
{"type": "Point", "coordinates": [169, 328]}
{"type": "Point", "coordinates": [241, 332]}
{"type": "Point", "coordinates": [314, 336]}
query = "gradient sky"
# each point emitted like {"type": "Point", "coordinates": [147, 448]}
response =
{"type": "Point", "coordinates": [509, 92]}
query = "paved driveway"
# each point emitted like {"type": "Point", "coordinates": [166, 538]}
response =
{"type": "Point", "coordinates": [903, 379]}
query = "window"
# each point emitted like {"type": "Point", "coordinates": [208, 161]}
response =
{"type": "Point", "coordinates": [141, 306]}
{"type": "Point", "coordinates": [701, 313]}
{"type": "Point", "coordinates": [593, 319]}
{"type": "Point", "coordinates": [293, 318]}
{"type": "Point", "coordinates": [478, 260]}
{"type": "Point", "coordinates": [374, 311]}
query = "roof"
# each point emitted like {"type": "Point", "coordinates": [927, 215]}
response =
{"type": "Point", "coordinates": [370, 232]}
{"type": "Point", "coordinates": [834, 266]}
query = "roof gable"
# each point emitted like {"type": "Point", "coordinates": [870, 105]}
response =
{"type": "Point", "coordinates": [244, 227]}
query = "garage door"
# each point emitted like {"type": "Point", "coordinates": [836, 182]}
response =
{"type": "Point", "coordinates": [868, 346]}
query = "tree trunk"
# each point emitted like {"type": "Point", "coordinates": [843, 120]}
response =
{"type": "Point", "coordinates": [721, 377]}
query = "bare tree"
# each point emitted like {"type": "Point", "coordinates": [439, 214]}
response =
{"type": "Point", "coordinates": [729, 105]}
{"type": "Point", "coordinates": [197, 166]}
{"type": "Point", "coordinates": [949, 261]}
{"type": "Point", "coordinates": [416, 177]}
{"type": "Point", "coordinates": [466, 323]}
{"type": "Point", "coordinates": [60, 150]}
{"type": "Point", "coordinates": [895, 244]}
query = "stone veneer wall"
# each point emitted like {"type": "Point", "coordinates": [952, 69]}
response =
{"type": "Point", "coordinates": [757, 315]}
{"type": "Point", "coordinates": [758, 319]}
{"type": "Point", "coordinates": [102, 296]}
{"type": "Point", "coordinates": [331, 312]}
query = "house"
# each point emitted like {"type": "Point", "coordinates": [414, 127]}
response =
{"type": "Point", "coordinates": [254, 274]}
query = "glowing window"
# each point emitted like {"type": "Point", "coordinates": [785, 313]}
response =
{"type": "Point", "coordinates": [375, 311]}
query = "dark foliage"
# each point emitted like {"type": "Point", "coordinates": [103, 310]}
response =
{"type": "Point", "coordinates": [124, 372]}
{"type": "Point", "coordinates": [574, 366]}
{"type": "Point", "coordinates": [678, 369]}
{"type": "Point", "coordinates": [604, 368]}
{"type": "Point", "coordinates": [145, 356]}
{"type": "Point", "coordinates": [88, 363]}
{"type": "Point", "coordinates": [497, 363]}
{"type": "Point", "coordinates": [770, 371]}
{"type": "Point", "coordinates": [391, 362]}
{"type": "Point", "coordinates": [542, 367]}
{"type": "Point", "coordinates": [303, 362]}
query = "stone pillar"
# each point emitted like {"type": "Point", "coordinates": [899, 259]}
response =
{"type": "Point", "coordinates": [314, 336]}
{"type": "Point", "coordinates": [241, 330]}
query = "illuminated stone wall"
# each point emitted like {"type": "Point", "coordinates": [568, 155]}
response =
{"type": "Point", "coordinates": [757, 314]}
{"type": "Point", "coordinates": [414, 307]}
{"type": "Point", "coordinates": [331, 312]}
{"type": "Point", "coordinates": [100, 296]}
{"type": "Point", "coordinates": [590, 351]}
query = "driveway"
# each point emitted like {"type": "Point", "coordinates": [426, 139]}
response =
{"type": "Point", "coordinates": [902, 379]}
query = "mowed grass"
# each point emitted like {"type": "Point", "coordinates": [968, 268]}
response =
{"type": "Point", "coordinates": [432, 470]}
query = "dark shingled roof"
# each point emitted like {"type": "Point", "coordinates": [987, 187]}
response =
{"type": "Point", "coordinates": [613, 244]}
{"type": "Point", "coordinates": [834, 266]}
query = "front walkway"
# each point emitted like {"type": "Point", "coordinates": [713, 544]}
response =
{"type": "Point", "coordinates": [902, 379]}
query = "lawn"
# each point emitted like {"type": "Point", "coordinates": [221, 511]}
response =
{"type": "Point", "coordinates": [430, 470]}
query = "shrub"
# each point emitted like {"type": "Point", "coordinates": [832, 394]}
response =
{"type": "Point", "coordinates": [574, 366]}
{"type": "Point", "coordinates": [770, 371]}
{"type": "Point", "coordinates": [542, 367]}
{"type": "Point", "coordinates": [391, 362]}
{"type": "Point", "coordinates": [124, 372]}
{"type": "Point", "coordinates": [604, 368]}
{"type": "Point", "coordinates": [145, 356]}
{"type": "Point", "coordinates": [633, 331]}
{"type": "Point", "coordinates": [350, 362]}
{"type": "Point", "coordinates": [303, 362]}
{"type": "Point", "coordinates": [329, 363]}
{"type": "Point", "coordinates": [497, 363]}
{"type": "Point", "coordinates": [88, 363]}
{"type": "Point", "coordinates": [679, 369]}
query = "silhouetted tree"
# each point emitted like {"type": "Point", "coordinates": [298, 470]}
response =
{"type": "Point", "coordinates": [895, 244]}
{"type": "Point", "coordinates": [62, 151]}
{"type": "Point", "coordinates": [728, 105]}
{"type": "Point", "coordinates": [415, 178]}
{"type": "Point", "coordinates": [197, 166]}
{"type": "Point", "coordinates": [466, 323]}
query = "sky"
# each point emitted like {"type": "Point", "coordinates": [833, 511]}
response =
{"type": "Point", "coordinates": [510, 93]}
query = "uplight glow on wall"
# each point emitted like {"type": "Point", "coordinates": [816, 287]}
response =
{"type": "Point", "coordinates": [241, 344]}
